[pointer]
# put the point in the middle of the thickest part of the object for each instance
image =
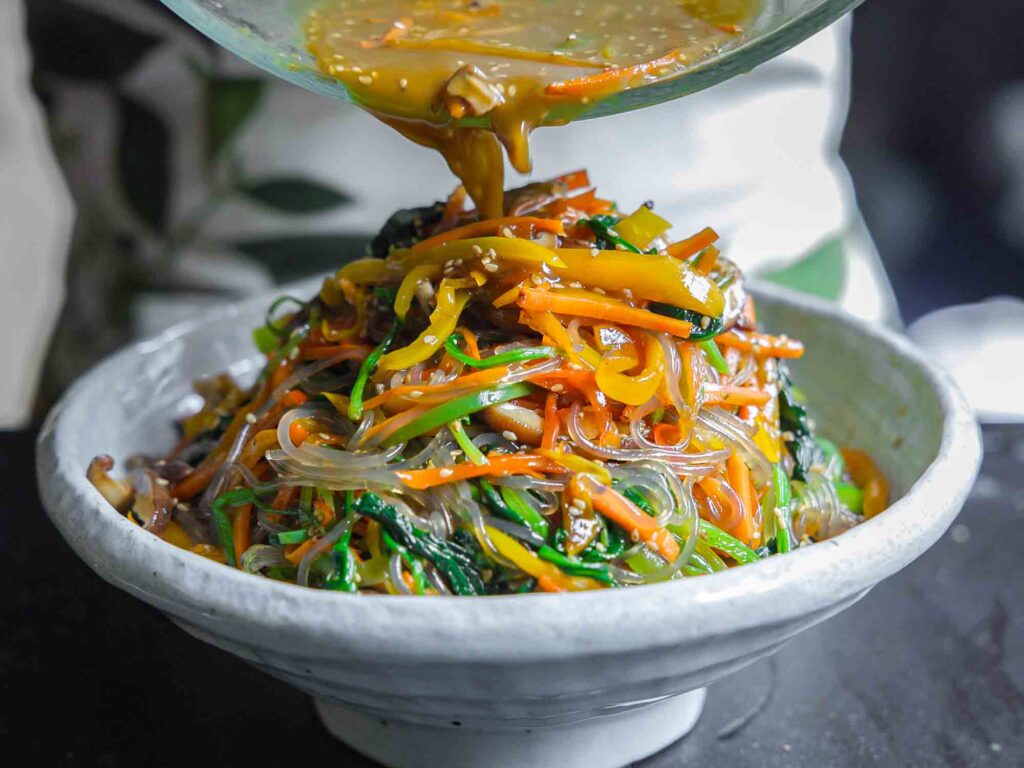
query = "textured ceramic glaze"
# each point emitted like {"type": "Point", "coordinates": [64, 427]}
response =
{"type": "Point", "coordinates": [517, 665]}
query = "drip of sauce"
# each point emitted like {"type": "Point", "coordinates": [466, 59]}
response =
{"type": "Point", "coordinates": [468, 77]}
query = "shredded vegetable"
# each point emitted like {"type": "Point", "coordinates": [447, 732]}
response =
{"type": "Point", "coordinates": [559, 401]}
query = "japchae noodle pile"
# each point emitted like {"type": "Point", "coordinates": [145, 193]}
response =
{"type": "Point", "coordinates": [560, 399]}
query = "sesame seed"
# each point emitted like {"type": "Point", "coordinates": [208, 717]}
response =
{"type": "Point", "coordinates": [705, 321]}
{"type": "Point", "coordinates": [635, 535]}
{"type": "Point", "coordinates": [458, 262]}
{"type": "Point", "coordinates": [430, 339]}
{"type": "Point", "coordinates": [511, 90]}
{"type": "Point", "coordinates": [250, 418]}
{"type": "Point", "coordinates": [491, 253]}
{"type": "Point", "coordinates": [506, 232]}
{"type": "Point", "coordinates": [536, 279]}
{"type": "Point", "coordinates": [595, 251]}
{"type": "Point", "coordinates": [491, 266]}
{"type": "Point", "coordinates": [557, 388]}
{"type": "Point", "coordinates": [509, 435]}
{"type": "Point", "coordinates": [379, 387]}
{"type": "Point", "coordinates": [416, 393]}
{"type": "Point", "coordinates": [162, 481]}
{"type": "Point", "coordinates": [403, 83]}
{"type": "Point", "coordinates": [182, 506]}
{"type": "Point", "coordinates": [365, 79]}
{"type": "Point", "coordinates": [447, 472]}
{"type": "Point", "coordinates": [476, 250]}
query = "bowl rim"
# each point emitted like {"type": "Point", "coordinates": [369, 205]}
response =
{"type": "Point", "coordinates": [509, 628]}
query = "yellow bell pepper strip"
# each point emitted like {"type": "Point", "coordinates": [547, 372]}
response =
{"type": "Point", "coordinates": [650, 277]}
{"type": "Point", "coordinates": [869, 479]}
{"type": "Point", "coordinates": [407, 290]}
{"type": "Point", "coordinates": [632, 390]}
{"type": "Point", "coordinates": [443, 320]}
{"type": "Point", "coordinates": [580, 303]}
{"type": "Point", "coordinates": [366, 271]}
{"type": "Point", "coordinates": [642, 227]}
{"type": "Point", "coordinates": [628, 515]}
{"type": "Point", "coordinates": [548, 576]}
{"type": "Point", "coordinates": [496, 466]}
{"type": "Point", "coordinates": [684, 249]}
{"type": "Point", "coordinates": [456, 408]}
{"type": "Point", "coordinates": [491, 227]}
{"type": "Point", "coordinates": [761, 343]}
{"type": "Point", "coordinates": [577, 463]}
{"type": "Point", "coordinates": [515, 250]}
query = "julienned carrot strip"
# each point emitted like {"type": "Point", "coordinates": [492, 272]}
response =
{"type": "Point", "coordinates": [575, 179]}
{"type": "Point", "coordinates": [694, 244]}
{"type": "Point", "coordinates": [726, 497]}
{"type": "Point", "coordinates": [294, 397]}
{"type": "Point", "coordinates": [727, 395]}
{"type": "Point", "coordinates": [497, 465]}
{"type": "Point", "coordinates": [322, 352]}
{"type": "Point", "coordinates": [761, 343]}
{"type": "Point", "coordinates": [706, 260]}
{"type": "Point", "coordinates": [477, 379]}
{"type": "Point", "coordinates": [470, 338]}
{"type": "Point", "coordinates": [739, 479]}
{"type": "Point", "coordinates": [625, 513]}
{"type": "Point", "coordinates": [490, 227]}
{"type": "Point", "coordinates": [581, 86]}
{"type": "Point", "coordinates": [580, 303]}
{"type": "Point", "coordinates": [240, 529]}
{"type": "Point", "coordinates": [296, 555]}
{"type": "Point", "coordinates": [550, 422]}
{"type": "Point", "coordinates": [398, 28]}
{"type": "Point", "coordinates": [869, 477]}
{"type": "Point", "coordinates": [666, 434]}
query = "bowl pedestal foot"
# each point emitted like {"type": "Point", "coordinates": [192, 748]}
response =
{"type": "Point", "coordinates": [607, 741]}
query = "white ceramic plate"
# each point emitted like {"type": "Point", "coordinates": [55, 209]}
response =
{"type": "Point", "coordinates": [575, 679]}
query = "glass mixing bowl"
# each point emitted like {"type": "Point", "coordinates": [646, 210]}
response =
{"type": "Point", "coordinates": [268, 33]}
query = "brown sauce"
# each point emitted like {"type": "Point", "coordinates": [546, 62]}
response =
{"type": "Point", "coordinates": [466, 77]}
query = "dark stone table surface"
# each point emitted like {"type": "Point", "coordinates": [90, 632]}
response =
{"type": "Point", "coordinates": [926, 670]}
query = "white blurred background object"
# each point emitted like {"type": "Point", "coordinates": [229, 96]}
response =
{"type": "Point", "coordinates": [35, 227]}
{"type": "Point", "coordinates": [982, 347]}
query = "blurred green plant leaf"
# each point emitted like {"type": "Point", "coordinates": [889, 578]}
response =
{"type": "Point", "coordinates": [72, 41]}
{"type": "Point", "coordinates": [292, 257]}
{"type": "Point", "coordinates": [230, 102]}
{"type": "Point", "coordinates": [295, 195]}
{"type": "Point", "coordinates": [143, 161]}
{"type": "Point", "coordinates": [821, 272]}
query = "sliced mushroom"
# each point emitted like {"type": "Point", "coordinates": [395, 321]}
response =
{"type": "Point", "coordinates": [120, 495]}
{"type": "Point", "coordinates": [153, 502]}
{"type": "Point", "coordinates": [470, 93]}
{"type": "Point", "coordinates": [526, 425]}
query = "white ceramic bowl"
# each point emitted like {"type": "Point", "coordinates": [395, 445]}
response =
{"type": "Point", "coordinates": [588, 679]}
